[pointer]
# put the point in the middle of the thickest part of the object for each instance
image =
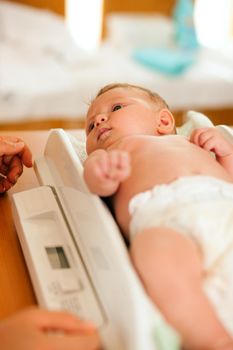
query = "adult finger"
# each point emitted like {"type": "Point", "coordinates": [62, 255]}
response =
{"type": "Point", "coordinates": [15, 169]}
{"type": "Point", "coordinates": [5, 185]}
{"type": "Point", "coordinates": [26, 156]}
{"type": "Point", "coordinates": [3, 167]}
{"type": "Point", "coordinates": [9, 147]}
{"type": "Point", "coordinates": [64, 321]}
{"type": "Point", "coordinates": [75, 342]}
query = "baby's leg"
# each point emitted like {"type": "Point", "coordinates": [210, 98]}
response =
{"type": "Point", "coordinates": [170, 267]}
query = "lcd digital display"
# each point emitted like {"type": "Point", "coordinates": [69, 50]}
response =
{"type": "Point", "coordinates": [57, 258]}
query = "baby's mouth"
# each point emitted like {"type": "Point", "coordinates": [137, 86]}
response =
{"type": "Point", "coordinates": [103, 133]}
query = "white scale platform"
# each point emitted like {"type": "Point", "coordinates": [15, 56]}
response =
{"type": "Point", "coordinates": [75, 254]}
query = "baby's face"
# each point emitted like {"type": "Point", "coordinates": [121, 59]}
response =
{"type": "Point", "coordinates": [117, 113]}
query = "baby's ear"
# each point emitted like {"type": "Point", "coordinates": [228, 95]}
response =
{"type": "Point", "coordinates": [165, 122]}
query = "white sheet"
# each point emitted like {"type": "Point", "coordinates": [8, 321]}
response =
{"type": "Point", "coordinates": [55, 80]}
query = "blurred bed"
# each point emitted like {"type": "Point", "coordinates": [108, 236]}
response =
{"type": "Point", "coordinates": [46, 81]}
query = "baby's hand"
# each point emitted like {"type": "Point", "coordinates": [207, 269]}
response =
{"type": "Point", "coordinates": [104, 171]}
{"type": "Point", "coordinates": [212, 140]}
{"type": "Point", "coordinates": [114, 165]}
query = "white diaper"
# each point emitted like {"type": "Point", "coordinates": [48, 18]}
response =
{"type": "Point", "coordinates": [200, 207]}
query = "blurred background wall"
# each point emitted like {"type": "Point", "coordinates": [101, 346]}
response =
{"type": "Point", "coordinates": [85, 11]}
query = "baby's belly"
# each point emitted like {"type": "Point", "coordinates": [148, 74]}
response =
{"type": "Point", "coordinates": [140, 183]}
{"type": "Point", "coordinates": [162, 162]}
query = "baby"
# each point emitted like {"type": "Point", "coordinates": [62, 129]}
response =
{"type": "Point", "coordinates": [174, 202]}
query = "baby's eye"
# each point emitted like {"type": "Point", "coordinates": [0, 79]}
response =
{"type": "Point", "coordinates": [90, 127]}
{"type": "Point", "coordinates": [116, 107]}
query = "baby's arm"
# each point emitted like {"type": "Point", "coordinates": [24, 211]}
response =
{"type": "Point", "coordinates": [105, 170]}
{"type": "Point", "coordinates": [213, 140]}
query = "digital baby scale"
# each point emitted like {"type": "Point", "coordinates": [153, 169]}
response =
{"type": "Point", "coordinates": [77, 258]}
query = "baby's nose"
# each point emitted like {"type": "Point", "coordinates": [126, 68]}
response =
{"type": "Point", "coordinates": [100, 119]}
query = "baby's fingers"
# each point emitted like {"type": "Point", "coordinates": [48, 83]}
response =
{"type": "Point", "coordinates": [124, 165]}
{"type": "Point", "coordinates": [196, 136]}
{"type": "Point", "coordinates": [101, 168]}
{"type": "Point", "coordinates": [124, 160]}
{"type": "Point", "coordinates": [206, 140]}
{"type": "Point", "coordinates": [119, 166]}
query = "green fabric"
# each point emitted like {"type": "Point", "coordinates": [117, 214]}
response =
{"type": "Point", "coordinates": [166, 338]}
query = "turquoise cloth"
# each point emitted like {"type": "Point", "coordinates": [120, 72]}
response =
{"type": "Point", "coordinates": [169, 61]}
{"type": "Point", "coordinates": [185, 33]}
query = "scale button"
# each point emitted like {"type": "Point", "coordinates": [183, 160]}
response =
{"type": "Point", "coordinates": [72, 304]}
{"type": "Point", "coordinates": [68, 283]}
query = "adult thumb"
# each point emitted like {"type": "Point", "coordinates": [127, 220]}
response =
{"type": "Point", "coordinates": [9, 148]}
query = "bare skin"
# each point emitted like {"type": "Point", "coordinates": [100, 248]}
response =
{"type": "Point", "coordinates": [169, 157]}
{"type": "Point", "coordinates": [35, 329]}
{"type": "Point", "coordinates": [14, 154]}
{"type": "Point", "coordinates": [132, 147]}
{"type": "Point", "coordinates": [121, 155]}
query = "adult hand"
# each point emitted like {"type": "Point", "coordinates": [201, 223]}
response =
{"type": "Point", "coordinates": [34, 329]}
{"type": "Point", "coordinates": [14, 154]}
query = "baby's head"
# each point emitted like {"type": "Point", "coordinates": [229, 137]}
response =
{"type": "Point", "coordinates": [120, 110]}
{"type": "Point", "coordinates": [156, 98]}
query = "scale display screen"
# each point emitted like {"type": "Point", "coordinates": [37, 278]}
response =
{"type": "Point", "coordinates": [57, 258]}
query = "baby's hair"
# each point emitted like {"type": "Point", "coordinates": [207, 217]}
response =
{"type": "Point", "coordinates": [153, 95]}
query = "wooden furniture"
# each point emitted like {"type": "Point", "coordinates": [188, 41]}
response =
{"type": "Point", "coordinates": [57, 6]}
{"type": "Point", "coordinates": [164, 6]}
{"type": "Point", "coordinates": [44, 124]}
{"type": "Point", "coordinates": [126, 6]}
{"type": "Point", "coordinates": [217, 116]}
